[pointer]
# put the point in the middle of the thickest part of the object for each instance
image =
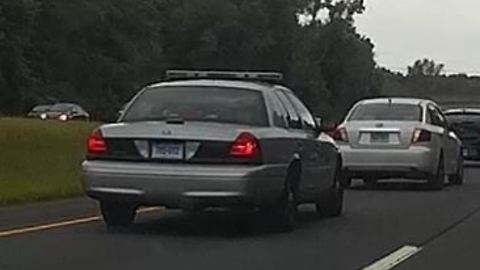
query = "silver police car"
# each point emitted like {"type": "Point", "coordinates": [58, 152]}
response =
{"type": "Point", "coordinates": [399, 138]}
{"type": "Point", "coordinates": [214, 139]}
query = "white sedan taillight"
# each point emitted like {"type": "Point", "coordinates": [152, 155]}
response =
{"type": "Point", "coordinates": [421, 135]}
{"type": "Point", "coordinates": [339, 135]}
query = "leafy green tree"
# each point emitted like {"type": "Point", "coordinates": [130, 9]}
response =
{"type": "Point", "coordinates": [17, 19]}
{"type": "Point", "coordinates": [457, 90]}
{"type": "Point", "coordinates": [337, 10]}
{"type": "Point", "coordinates": [342, 61]}
{"type": "Point", "coordinates": [425, 67]}
{"type": "Point", "coordinates": [102, 56]}
{"type": "Point", "coordinates": [100, 52]}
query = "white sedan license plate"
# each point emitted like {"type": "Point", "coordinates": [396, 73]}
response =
{"type": "Point", "coordinates": [379, 137]}
{"type": "Point", "coordinates": [169, 151]}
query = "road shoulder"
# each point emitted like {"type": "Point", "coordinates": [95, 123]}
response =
{"type": "Point", "coordinates": [13, 217]}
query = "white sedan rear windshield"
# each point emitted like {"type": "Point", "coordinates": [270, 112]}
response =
{"type": "Point", "coordinates": [205, 104]}
{"type": "Point", "coordinates": [387, 112]}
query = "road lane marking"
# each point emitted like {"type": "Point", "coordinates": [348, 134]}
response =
{"type": "Point", "coordinates": [394, 258]}
{"type": "Point", "coordinates": [62, 224]}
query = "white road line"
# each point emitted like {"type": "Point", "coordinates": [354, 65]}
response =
{"type": "Point", "coordinates": [394, 258]}
{"type": "Point", "coordinates": [56, 225]}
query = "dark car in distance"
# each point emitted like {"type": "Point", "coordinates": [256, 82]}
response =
{"type": "Point", "coordinates": [465, 122]}
{"type": "Point", "coordinates": [66, 112]}
{"type": "Point", "coordinates": [39, 111]}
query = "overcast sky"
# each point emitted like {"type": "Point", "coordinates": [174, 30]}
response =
{"type": "Point", "coordinates": [447, 31]}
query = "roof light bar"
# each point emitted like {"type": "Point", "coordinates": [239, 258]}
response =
{"type": "Point", "coordinates": [231, 75]}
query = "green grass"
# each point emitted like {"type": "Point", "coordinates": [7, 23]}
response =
{"type": "Point", "coordinates": [40, 160]}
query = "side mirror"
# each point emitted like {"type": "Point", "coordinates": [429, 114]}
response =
{"type": "Point", "coordinates": [318, 122]}
{"type": "Point", "coordinates": [122, 109]}
{"type": "Point", "coordinates": [119, 113]}
{"type": "Point", "coordinates": [320, 127]}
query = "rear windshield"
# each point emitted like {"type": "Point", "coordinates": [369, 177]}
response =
{"type": "Point", "coordinates": [463, 118]}
{"type": "Point", "coordinates": [387, 112]}
{"type": "Point", "coordinates": [206, 104]}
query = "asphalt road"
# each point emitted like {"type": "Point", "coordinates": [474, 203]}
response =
{"type": "Point", "coordinates": [445, 225]}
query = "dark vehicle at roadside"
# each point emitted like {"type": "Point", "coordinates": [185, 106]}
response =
{"type": "Point", "coordinates": [466, 124]}
{"type": "Point", "coordinates": [66, 112]}
{"type": "Point", "coordinates": [39, 111]}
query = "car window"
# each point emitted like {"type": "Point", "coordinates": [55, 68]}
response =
{"type": "Point", "coordinates": [431, 119]}
{"type": "Point", "coordinates": [436, 117]}
{"type": "Point", "coordinates": [223, 105]}
{"type": "Point", "coordinates": [386, 112]}
{"type": "Point", "coordinates": [467, 125]}
{"type": "Point", "coordinates": [79, 109]}
{"type": "Point", "coordinates": [62, 107]}
{"type": "Point", "coordinates": [441, 117]}
{"type": "Point", "coordinates": [278, 111]}
{"type": "Point", "coordinates": [41, 108]}
{"type": "Point", "coordinates": [428, 116]}
{"type": "Point", "coordinates": [463, 118]}
{"type": "Point", "coordinates": [307, 119]}
{"type": "Point", "coordinates": [293, 118]}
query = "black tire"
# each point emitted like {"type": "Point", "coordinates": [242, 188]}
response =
{"type": "Point", "coordinates": [117, 215]}
{"type": "Point", "coordinates": [457, 178]}
{"type": "Point", "coordinates": [331, 203]}
{"type": "Point", "coordinates": [286, 212]}
{"type": "Point", "coordinates": [286, 209]}
{"type": "Point", "coordinates": [437, 181]}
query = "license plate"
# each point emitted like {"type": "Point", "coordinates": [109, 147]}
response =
{"type": "Point", "coordinates": [169, 151]}
{"type": "Point", "coordinates": [379, 137]}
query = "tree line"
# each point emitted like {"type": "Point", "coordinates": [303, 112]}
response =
{"type": "Point", "coordinates": [98, 53]}
{"type": "Point", "coordinates": [426, 79]}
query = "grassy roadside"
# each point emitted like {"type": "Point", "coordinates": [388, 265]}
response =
{"type": "Point", "coordinates": [40, 160]}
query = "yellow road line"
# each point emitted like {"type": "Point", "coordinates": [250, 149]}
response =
{"type": "Point", "coordinates": [61, 224]}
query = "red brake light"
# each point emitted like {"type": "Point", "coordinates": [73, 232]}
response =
{"type": "Point", "coordinates": [245, 146]}
{"type": "Point", "coordinates": [420, 135]}
{"type": "Point", "coordinates": [96, 143]}
{"type": "Point", "coordinates": [339, 134]}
